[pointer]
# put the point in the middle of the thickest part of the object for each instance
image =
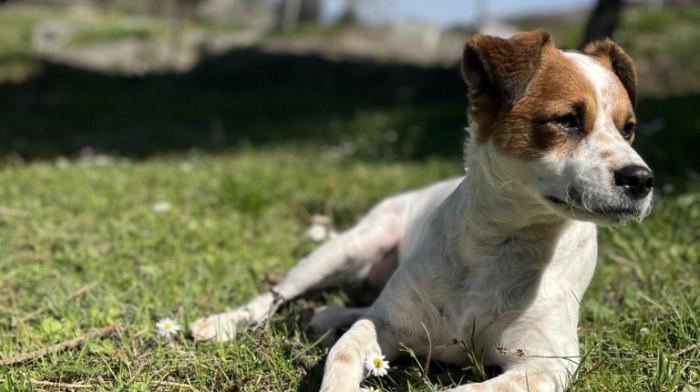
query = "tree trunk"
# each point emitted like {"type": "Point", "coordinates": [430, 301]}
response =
{"type": "Point", "coordinates": [349, 14]}
{"type": "Point", "coordinates": [292, 12]}
{"type": "Point", "coordinates": [602, 21]}
{"type": "Point", "coordinates": [310, 11]}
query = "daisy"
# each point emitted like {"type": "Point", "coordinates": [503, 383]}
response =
{"type": "Point", "coordinates": [317, 232]}
{"type": "Point", "coordinates": [167, 327]}
{"type": "Point", "coordinates": [369, 389]}
{"type": "Point", "coordinates": [376, 364]}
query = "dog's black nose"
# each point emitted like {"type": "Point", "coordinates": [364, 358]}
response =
{"type": "Point", "coordinates": [637, 180]}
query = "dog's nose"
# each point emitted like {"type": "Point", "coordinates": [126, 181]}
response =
{"type": "Point", "coordinates": [637, 180]}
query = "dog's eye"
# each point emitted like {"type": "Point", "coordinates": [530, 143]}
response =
{"type": "Point", "coordinates": [628, 130]}
{"type": "Point", "coordinates": [568, 123]}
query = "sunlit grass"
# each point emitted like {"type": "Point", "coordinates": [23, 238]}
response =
{"type": "Point", "coordinates": [235, 217]}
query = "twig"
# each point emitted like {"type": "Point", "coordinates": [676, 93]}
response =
{"type": "Point", "coordinates": [13, 212]}
{"type": "Point", "coordinates": [21, 322]}
{"type": "Point", "coordinates": [57, 347]}
{"type": "Point", "coordinates": [620, 260]}
{"type": "Point", "coordinates": [60, 385]}
{"type": "Point", "coordinates": [430, 351]}
{"type": "Point", "coordinates": [172, 384]}
{"type": "Point", "coordinates": [139, 369]}
{"type": "Point", "coordinates": [687, 349]}
{"type": "Point", "coordinates": [74, 294]}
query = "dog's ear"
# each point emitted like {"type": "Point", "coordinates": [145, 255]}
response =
{"type": "Point", "coordinates": [612, 56]}
{"type": "Point", "coordinates": [495, 67]}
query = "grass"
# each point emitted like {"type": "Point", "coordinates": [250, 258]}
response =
{"type": "Point", "coordinates": [18, 22]}
{"type": "Point", "coordinates": [245, 147]}
{"type": "Point", "coordinates": [236, 216]}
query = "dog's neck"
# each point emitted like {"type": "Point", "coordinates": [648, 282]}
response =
{"type": "Point", "coordinates": [497, 208]}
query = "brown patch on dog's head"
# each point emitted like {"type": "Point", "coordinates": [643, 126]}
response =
{"type": "Point", "coordinates": [559, 90]}
{"type": "Point", "coordinates": [499, 71]}
{"type": "Point", "coordinates": [524, 127]}
{"type": "Point", "coordinates": [516, 86]}
{"type": "Point", "coordinates": [522, 89]}
{"type": "Point", "coordinates": [611, 55]}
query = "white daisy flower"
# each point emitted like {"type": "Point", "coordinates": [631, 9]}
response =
{"type": "Point", "coordinates": [376, 364]}
{"type": "Point", "coordinates": [167, 327]}
{"type": "Point", "coordinates": [162, 206]}
{"type": "Point", "coordinates": [369, 389]}
{"type": "Point", "coordinates": [317, 232]}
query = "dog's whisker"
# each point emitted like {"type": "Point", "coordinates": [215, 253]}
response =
{"type": "Point", "coordinates": [503, 184]}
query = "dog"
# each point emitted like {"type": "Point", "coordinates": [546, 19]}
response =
{"type": "Point", "coordinates": [495, 263]}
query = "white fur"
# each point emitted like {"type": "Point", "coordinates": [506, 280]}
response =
{"type": "Point", "coordinates": [489, 268]}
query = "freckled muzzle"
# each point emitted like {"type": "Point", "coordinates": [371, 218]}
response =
{"type": "Point", "coordinates": [628, 200]}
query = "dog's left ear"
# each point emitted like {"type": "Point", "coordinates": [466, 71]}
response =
{"type": "Point", "coordinates": [611, 55]}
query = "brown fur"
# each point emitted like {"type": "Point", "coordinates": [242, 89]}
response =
{"type": "Point", "coordinates": [605, 154]}
{"type": "Point", "coordinates": [526, 129]}
{"type": "Point", "coordinates": [499, 70]}
{"type": "Point", "coordinates": [614, 58]}
{"type": "Point", "coordinates": [342, 358]}
{"type": "Point", "coordinates": [518, 86]}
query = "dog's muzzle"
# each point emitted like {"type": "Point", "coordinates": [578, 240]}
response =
{"type": "Point", "coordinates": [632, 184]}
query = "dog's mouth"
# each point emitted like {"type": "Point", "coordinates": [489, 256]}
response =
{"type": "Point", "coordinates": [578, 211]}
{"type": "Point", "coordinates": [555, 200]}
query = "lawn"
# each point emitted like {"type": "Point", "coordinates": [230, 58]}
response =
{"type": "Point", "coordinates": [207, 189]}
{"type": "Point", "coordinates": [86, 246]}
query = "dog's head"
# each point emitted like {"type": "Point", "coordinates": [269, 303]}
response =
{"type": "Point", "coordinates": [564, 122]}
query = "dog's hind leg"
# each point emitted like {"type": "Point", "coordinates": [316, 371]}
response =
{"type": "Point", "coordinates": [346, 259]}
{"type": "Point", "coordinates": [330, 322]}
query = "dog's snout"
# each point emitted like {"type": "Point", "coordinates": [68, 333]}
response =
{"type": "Point", "coordinates": [636, 180]}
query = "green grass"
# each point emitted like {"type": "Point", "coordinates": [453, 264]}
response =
{"type": "Point", "coordinates": [246, 146]}
{"type": "Point", "coordinates": [236, 216]}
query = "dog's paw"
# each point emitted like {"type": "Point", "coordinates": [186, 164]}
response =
{"type": "Point", "coordinates": [220, 327]}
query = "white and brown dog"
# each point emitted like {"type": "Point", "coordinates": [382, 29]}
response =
{"type": "Point", "coordinates": [500, 259]}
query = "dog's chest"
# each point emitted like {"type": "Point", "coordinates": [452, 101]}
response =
{"type": "Point", "coordinates": [501, 281]}
{"type": "Point", "coordinates": [490, 288]}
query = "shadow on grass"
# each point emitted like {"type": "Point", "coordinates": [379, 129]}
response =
{"type": "Point", "coordinates": [245, 97]}
{"type": "Point", "coordinates": [252, 98]}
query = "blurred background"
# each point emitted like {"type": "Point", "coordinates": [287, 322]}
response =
{"type": "Point", "coordinates": [375, 79]}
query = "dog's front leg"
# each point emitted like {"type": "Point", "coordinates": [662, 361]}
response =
{"type": "Point", "coordinates": [522, 379]}
{"type": "Point", "coordinates": [528, 375]}
{"type": "Point", "coordinates": [345, 365]}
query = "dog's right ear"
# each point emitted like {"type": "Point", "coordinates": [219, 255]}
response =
{"type": "Point", "coordinates": [613, 57]}
{"type": "Point", "coordinates": [496, 68]}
